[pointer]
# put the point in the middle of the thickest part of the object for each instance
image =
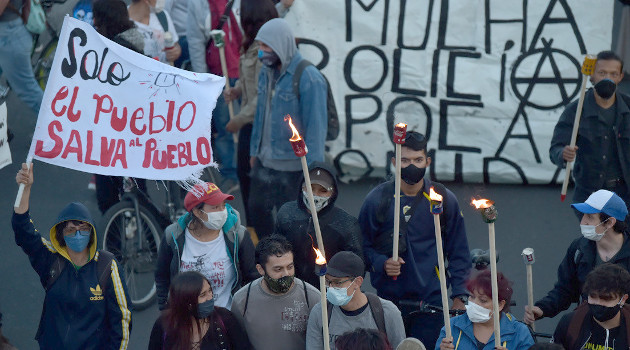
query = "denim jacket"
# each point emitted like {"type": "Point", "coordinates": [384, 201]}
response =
{"type": "Point", "coordinates": [309, 114]}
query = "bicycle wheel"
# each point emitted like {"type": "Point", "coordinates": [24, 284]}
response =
{"type": "Point", "coordinates": [137, 256]}
{"type": "Point", "coordinates": [44, 63]}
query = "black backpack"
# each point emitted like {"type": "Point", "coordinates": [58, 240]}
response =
{"type": "Point", "coordinates": [375, 306]}
{"type": "Point", "coordinates": [333, 118]}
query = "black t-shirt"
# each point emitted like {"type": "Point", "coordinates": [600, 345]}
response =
{"type": "Point", "coordinates": [617, 338]}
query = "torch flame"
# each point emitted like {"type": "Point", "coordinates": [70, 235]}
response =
{"type": "Point", "coordinates": [434, 195]}
{"type": "Point", "coordinates": [482, 203]}
{"type": "Point", "coordinates": [320, 258]}
{"type": "Point", "coordinates": [296, 135]}
{"type": "Point", "coordinates": [401, 125]}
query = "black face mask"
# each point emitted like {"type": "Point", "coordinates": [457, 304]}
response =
{"type": "Point", "coordinates": [204, 309]}
{"type": "Point", "coordinates": [604, 313]}
{"type": "Point", "coordinates": [280, 285]}
{"type": "Point", "coordinates": [412, 174]}
{"type": "Point", "coordinates": [605, 88]}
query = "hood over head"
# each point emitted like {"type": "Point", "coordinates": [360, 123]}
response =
{"type": "Point", "coordinates": [73, 211]}
{"type": "Point", "coordinates": [277, 34]}
{"type": "Point", "coordinates": [333, 176]}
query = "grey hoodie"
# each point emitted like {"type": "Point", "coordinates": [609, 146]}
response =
{"type": "Point", "coordinates": [279, 37]}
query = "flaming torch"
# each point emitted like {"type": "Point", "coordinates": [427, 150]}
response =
{"type": "Point", "coordinates": [321, 272]}
{"type": "Point", "coordinates": [489, 216]}
{"type": "Point", "coordinates": [587, 69]}
{"type": "Point", "coordinates": [400, 131]}
{"type": "Point", "coordinates": [528, 259]}
{"type": "Point", "coordinates": [436, 210]}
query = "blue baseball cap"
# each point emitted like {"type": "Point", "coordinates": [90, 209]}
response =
{"type": "Point", "coordinates": [606, 202]}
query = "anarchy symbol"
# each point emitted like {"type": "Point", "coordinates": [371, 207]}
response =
{"type": "Point", "coordinates": [561, 82]}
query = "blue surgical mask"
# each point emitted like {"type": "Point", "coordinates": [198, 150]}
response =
{"type": "Point", "coordinates": [205, 309]}
{"type": "Point", "coordinates": [269, 59]}
{"type": "Point", "coordinates": [339, 296]}
{"type": "Point", "coordinates": [78, 241]}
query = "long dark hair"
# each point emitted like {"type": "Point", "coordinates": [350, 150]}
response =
{"type": "Point", "coordinates": [255, 13]}
{"type": "Point", "coordinates": [363, 339]}
{"type": "Point", "coordinates": [183, 301]}
{"type": "Point", "coordinates": [111, 17]}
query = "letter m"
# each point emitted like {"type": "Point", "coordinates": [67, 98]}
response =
{"type": "Point", "coordinates": [366, 8]}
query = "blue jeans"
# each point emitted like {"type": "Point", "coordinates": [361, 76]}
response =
{"type": "Point", "coordinates": [15, 62]}
{"type": "Point", "coordinates": [224, 141]}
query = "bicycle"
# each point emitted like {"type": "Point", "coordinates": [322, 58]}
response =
{"type": "Point", "coordinates": [132, 231]}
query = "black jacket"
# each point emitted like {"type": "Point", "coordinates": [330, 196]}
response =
{"type": "Point", "coordinates": [340, 230]}
{"type": "Point", "coordinates": [587, 332]}
{"type": "Point", "coordinates": [237, 240]}
{"type": "Point", "coordinates": [589, 164]}
{"type": "Point", "coordinates": [577, 263]}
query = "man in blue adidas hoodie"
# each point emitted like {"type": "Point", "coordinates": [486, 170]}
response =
{"type": "Point", "coordinates": [417, 282]}
{"type": "Point", "coordinates": [83, 309]}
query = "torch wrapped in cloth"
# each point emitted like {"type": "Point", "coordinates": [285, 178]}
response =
{"type": "Point", "coordinates": [528, 259]}
{"type": "Point", "coordinates": [320, 261]}
{"type": "Point", "coordinates": [400, 132]}
{"type": "Point", "coordinates": [489, 215]}
{"type": "Point", "coordinates": [587, 69]}
{"type": "Point", "coordinates": [437, 209]}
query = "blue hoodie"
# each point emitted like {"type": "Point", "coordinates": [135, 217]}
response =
{"type": "Point", "coordinates": [77, 313]}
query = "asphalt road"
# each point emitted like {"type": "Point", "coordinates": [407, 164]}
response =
{"type": "Point", "coordinates": [529, 216]}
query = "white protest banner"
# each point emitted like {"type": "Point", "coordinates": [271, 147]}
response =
{"type": "Point", "coordinates": [111, 111]}
{"type": "Point", "coordinates": [484, 80]}
{"type": "Point", "coordinates": [5, 151]}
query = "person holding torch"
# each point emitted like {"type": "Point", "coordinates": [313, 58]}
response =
{"type": "Point", "coordinates": [475, 329]}
{"type": "Point", "coordinates": [417, 282]}
{"type": "Point", "coordinates": [602, 147]}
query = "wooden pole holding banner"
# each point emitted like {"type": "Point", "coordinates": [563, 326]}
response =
{"type": "Point", "coordinates": [219, 40]}
{"type": "Point", "coordinates": [20, 192]}
{"type": "Point", "coordinates": [400, 132]}
{"type": "Point", "coordinates": [587, 69]}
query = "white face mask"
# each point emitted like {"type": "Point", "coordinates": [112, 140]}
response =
{"type": "Point", "coordinates": [477, 313]}
{"type": "Point", "coordinates": [320, 202]}
{"type": "Point", "coordinates": [216, 219]}
{"type": "Point", "coordinates": [159, 6]}
{"type": "Point", "coordinates": [588, 231]}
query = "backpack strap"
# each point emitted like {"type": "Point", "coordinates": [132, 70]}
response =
{"type": "Point", "coordinates": [377, 311]}
{"type": "Point", "coordinates": [55, 271]}
{"type": "Point", "coordinates": [298, 75]}
{"type": "Point", "coordinates": [575, 325]}
{"type": "Point", "coordinates": [249, 288]}
{"type": "Point", "coordinates": [375, 306]}
{"type": "Point", "coordinates": [104, 268]}
{"type": "Point", "coordinates": [306, 296]}
{"type": "Point", "coordinates": [163, 21]}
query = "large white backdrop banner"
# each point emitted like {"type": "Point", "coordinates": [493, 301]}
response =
{"type": "Point", "coordinates": [484, 80]}
{"type": "Point", "coordinates": [111, 111]}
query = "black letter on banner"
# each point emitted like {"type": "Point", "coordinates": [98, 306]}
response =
{"type": "Point", "coordinates": [442, 142]}
{"type": "Point", "coordinates": [434, 72]}
{"type": "Point", "coordinates": [368, 167]}
{"type": "Point", "coordinates": [442, 30]}
{"type": "Point", "coordinates": [69, 68]}
{"type": "Point", "coordinates": [396, 78]}
{"type": "Point", "coordinates": [450, 76]}
{"type": "Point", "coordinates": [347, 68]}
{"type": "Point", "coordinates": [546, 19]}
{"type": "Point", "coordinates": [486, 165]}
{"type": "Point", "coordinates": [350, 121]}
{"type": "Point", "coordinates": [390, 115]}
{"type": "Point", "coordinates": [490, 21]}
{"type": "Point", "coordinates": [367, 9]}
{"type": "Point", "coordinates": [401, 26]}
{"type": "Point", "coordinates": [320, 47]}
{"type": "Point", "coordinates": [458, 169]}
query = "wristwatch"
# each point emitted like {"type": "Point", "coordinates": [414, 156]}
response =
{"type": "Point", "coordinates": [463, 298]}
